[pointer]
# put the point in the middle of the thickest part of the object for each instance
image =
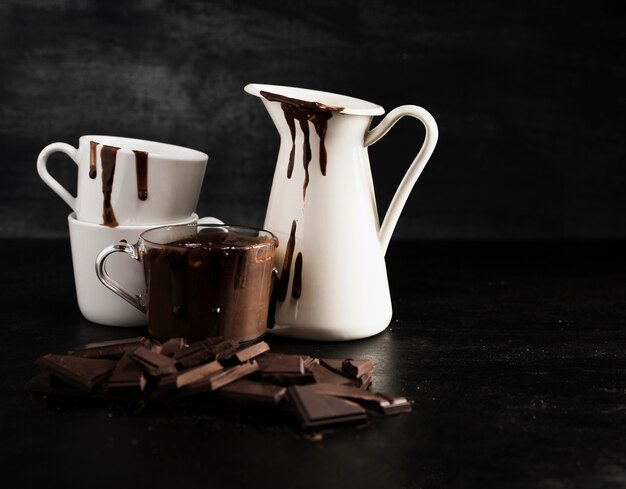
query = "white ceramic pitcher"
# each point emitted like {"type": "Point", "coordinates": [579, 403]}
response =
{"type": "Point", "coordinates": [333, 281]}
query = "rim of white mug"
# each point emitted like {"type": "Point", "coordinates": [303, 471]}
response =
{"type": "Point", "coordinates": [145, 227]}
{"type": "Point", "coordinates": [125, 146]}
{"type": "Point", "coordinates": [351, 105]}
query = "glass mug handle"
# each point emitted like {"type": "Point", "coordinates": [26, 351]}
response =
{"type": "Point", "coordinates": [105, 278]}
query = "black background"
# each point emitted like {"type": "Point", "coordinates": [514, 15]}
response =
{"type": "Point", "coordinates": [529, 98]}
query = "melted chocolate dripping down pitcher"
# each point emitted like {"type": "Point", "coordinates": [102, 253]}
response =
{"type": "Point", "coordinates": [303, 111]}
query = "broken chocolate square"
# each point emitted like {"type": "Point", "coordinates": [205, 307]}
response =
{"type": "Point", "coordinates": [84, 373]}
{"type": "Point", "coordinates": [315, 410]}
{"type": "Point", "coordinates": [112, 348]}
{"type": "Point", "coordinates": [357, 368]}
{"type": "Point", "coordinates": [127, 376]}
{"type": "Point", "coordinates": [153, 363]}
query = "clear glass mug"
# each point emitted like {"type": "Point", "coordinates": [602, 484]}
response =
{"type": "Point", "coordinates": [201, 280]}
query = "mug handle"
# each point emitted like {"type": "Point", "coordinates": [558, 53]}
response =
{"type": "Point", "coordinates": [414, 171]}
{"type": "Point", "coordinates": [124, 247]}
{"type": "Point", "coordinates": [105, 278]}
{"type": "Point", "coordinates": [42, 169]}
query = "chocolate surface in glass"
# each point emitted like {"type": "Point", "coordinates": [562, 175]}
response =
{"type": "Point", "coordinates": [209, 284]}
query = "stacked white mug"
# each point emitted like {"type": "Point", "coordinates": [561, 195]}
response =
{"type": "Point", "coordinates": [125, 186]}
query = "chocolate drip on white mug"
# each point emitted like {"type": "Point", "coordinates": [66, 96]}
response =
{"type": "Point", "coordinates": [93, 169]}
{"type": "Point", "coordinates": [141, 165]}
{"type": "Point", "coordinates": [108, 155]}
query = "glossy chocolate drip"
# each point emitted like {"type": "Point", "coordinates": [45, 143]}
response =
{"type": "Point", "coordinates": [141, 166]}
{"type": "Point", "coordinates": [177, 260]}
{"type": "Point", "coordinates": [108, 155]}
{"type": "Point", "coordinates": [271, 317]}
{"type": "Point", "coordinates": [319, 121]}
{"type": "Point", "coordinates": [241, 271]}
{"type": "Point", "coordinates": [305, 111]}
{"type": "Point", "coordinates": [290, 118]}
{"type": "Point", "coordinates": [283, 285]}
{"type": "Point", "coordinates": [93, 169]}
{"type": "Point", "coordinates": [296, 288]}
{"type": "Point", "coordinates": [306, 154]}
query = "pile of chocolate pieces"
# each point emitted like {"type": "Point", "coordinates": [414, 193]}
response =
{"type": "Point", "coordinates": [215, 371]}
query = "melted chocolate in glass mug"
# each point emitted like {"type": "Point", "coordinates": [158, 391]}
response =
{"type": "Point", "coordinates": [201, 280]}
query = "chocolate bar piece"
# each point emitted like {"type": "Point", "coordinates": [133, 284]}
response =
{"type": "Point", "coordinates": [281, 363]}
{"type": "Point", "coordinates": [244, 391]}
{"type": "Point", "coordinates": [251, 351]}
{"type": "Point", "coordinates": [333, 364]}
{"type": "Point", "coordinates": [285, 369]}
{"type": "Point", "coordinates": [127, 376]}
{"type": "Point", "coordinates": [171, 346]}
{"type": "Point", "coordinates": [195, 374]}
{"type": "Point", "coordinates": [325, 375]}
{"type": "Point", "coordinates": [84, 373]}
{"type": "Point", "coordinates": [153, 363]}
{"type": "Point", "coordinates": [357, 368]}
{"type": "Point", "coordinates": [314, 410]}
{"type": "Point", "coordinates": [365, 380]}
{"type": "Point", "coordinates": [222, 349]}
{"type": "Point", "coordinates": [395, 404]}
{"type": "Point", "coordinates": [194, 354]}
{"type": "Point", "coordinates": [213, 340]}
{"type": "Point", "coordinates": [348, 392]}
{"type": "Point", "coordinates": [113, 348]}
{"type": "Point", "coordinates": [219, 379]}
{"type": "Point", "coordinates": [387, 403]}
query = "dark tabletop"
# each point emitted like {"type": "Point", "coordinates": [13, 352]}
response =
{"type": "Point", "coordinates": [514, 355]}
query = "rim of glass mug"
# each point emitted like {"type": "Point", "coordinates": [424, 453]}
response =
{"type": "Point", "coordinates": [350, 105]}
{"type": "Point", "coordinates": [197, 226]}
{"type": "Point", "coordinates": [156, 149]}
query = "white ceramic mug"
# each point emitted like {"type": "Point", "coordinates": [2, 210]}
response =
{"type": "Point", "coordinates": [97, 303]}
{"type": "Point", "coordinates": [128, 182]}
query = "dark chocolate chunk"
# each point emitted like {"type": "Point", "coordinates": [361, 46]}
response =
{"type": "Point", "coordinates": [244, 391]}
{"type": "Point", "coordinates": [194, 354]}
{"type": "Point", "coordinates": [386, 403]}
{"type": "Point", "coordinates": [325, 375]}
{"type": "Point", "coordinates": [365, 380]}
{"type": "Point", "coordinates": [213, 340]}
{"type": "Point", "coordinates": [281, 363]}
{"type": "Point", "coordinates": [153, 363]}
{"type": "Point", "coordinates": [395, 404]}
{"type": "Point", "coordinates": [314, 410]}
{"type": "Point", "coordinates": [171, 346]}
{"type": "Point", "coordinates": [333, 364]}
{"type": "Point", "coordinates": [84, 373]}
{"type": "Point", "coordinates": [357, 368]}
{"type": "Point", "coordinates": [113, 348]}
{"type": "Point", "coordinates": [45, 383]}
{"type": "Point", "coordinates": [223, 349]}
{"type": "Point", "coordinates": [219, 379]}
{"type": "Point", "coordinates": [195, 374]}
{"type": "Point", "coordinates": [127, 376]}
{"type": "Point", "coordinates": [251, 351]}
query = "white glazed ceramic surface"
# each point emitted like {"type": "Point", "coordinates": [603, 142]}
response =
{"type": "Point", "coordinates": [97, 303]}
{"type": "Point", "coordinates": [174, 180]}
{"type": "Point", "coordinates": [344, 288]}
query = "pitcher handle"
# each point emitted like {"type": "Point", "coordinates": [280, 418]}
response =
{"type": "Point", "coordinates": [105, 278]}
{"type": "Point", "coordinates": [414, 171]}
{"type": "Point", "coordinates": [42, 169]}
